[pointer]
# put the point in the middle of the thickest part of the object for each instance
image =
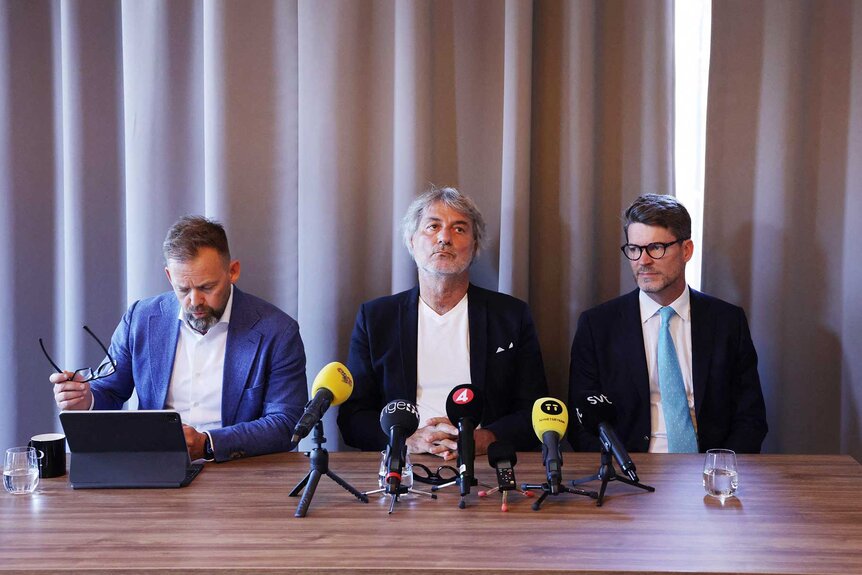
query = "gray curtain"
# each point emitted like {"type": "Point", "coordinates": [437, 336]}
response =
{"type": "Point", "coordinates": [307, 127]}
{"type": "Point", "coordinates": [783, 207]}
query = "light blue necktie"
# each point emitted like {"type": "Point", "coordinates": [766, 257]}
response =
{"type": "Point", "coordinates": [681, 437]}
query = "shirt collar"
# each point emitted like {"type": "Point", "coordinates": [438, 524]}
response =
{"type": "Point", "coordinates": [681, 305]}
{"type": "Point", "coordinates": [225, 317]}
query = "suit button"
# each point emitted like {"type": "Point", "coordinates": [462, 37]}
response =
{"type": "Point", "coordinates": [646, 437]}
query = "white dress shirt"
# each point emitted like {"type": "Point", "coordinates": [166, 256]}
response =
{"type": "Point", "coordinates": [195, 390]}
{"type": "Point", "coordinates": [680, 332]}
{"type": "Point", "coordinates": [442, 357]}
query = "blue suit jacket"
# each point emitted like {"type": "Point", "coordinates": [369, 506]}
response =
{"type": "Point", "coordinates": [264, 386]}
{"type": "Point", "coordinates": [608, 357]}
{"type": "Point", "coordinates": [382, 360]}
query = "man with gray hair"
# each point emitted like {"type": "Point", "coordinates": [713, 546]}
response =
{"type": "Point", "coordinates": [678, 365]}
{"type": "Point", "coordinates": [231, 364]}
{"type": "Point", "coordinates": [417, 345]}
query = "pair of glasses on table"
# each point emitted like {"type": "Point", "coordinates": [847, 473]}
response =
{"type": "Point", "coordinates": [104, 369]}
{"type": "Point", "coordinates": [444, 474]}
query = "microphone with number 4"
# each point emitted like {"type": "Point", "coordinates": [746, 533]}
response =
{"type": "Point", "coordinates": [464, 410]}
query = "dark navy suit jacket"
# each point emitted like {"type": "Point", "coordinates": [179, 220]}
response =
{"type": "Point", "coordinates": [264, 387]}
{"type": "Point", "coordinates": [382, 361]}
{"type": "Point", "coordinates": [608, 357]}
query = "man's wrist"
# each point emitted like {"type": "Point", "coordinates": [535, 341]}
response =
{"type": "Point", "coordinates": [209, 453]}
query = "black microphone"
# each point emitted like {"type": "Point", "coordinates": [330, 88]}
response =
{"type": "Point", "coordinates": [332, 386]}
{"type": "Point", "coordinates": [597, 415]}
{"type": "Point", "coordinates": [502, 457]}
{"type": "Point", "coordinates": [399, 419]}
{"type": "Point", "coordinates": [464, 410]}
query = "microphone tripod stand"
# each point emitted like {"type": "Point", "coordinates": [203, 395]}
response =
{"type": "Point", "coordinates": [606, 474]}
{"type": "Point", "coordinates": [505, 504]}
{"type": "Point", "coordinates": [399, 492]}
{"type": "Point", "coordinates": [548, 489]}
{"type": "Point", "coordinates": [319, 460]}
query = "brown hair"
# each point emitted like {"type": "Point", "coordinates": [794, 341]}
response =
{"type": "Point", "coordinates": [659, 210]}
{"type": "Point", "coordinates": [191, 233]}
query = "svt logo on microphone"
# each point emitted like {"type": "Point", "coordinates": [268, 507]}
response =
{"type": "Point", "coordinates": [463, 396]}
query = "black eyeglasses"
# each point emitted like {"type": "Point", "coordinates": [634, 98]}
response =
{"type": "Point", "coordinates": [105, 369]}
{"type": "Point", "coordinates": [656, 250]}
{"type": "Point", "coordinates": [434, 477]}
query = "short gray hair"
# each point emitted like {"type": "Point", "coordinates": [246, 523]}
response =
{"type": "Point", "coordinates": [451, 198]}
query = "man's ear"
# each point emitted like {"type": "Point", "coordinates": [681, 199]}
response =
{"type": "Point", "coordinates": [687, 249]}
{"type": "Point", "coordinates": [233, 271]}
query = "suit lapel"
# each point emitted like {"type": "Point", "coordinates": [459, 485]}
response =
{"type": "Point", "coordinates": [408, 318]}
{"type": "Point", "coordinates": [702, 332]}
{"type": "Point", "coordinates": [477, 314]}
{"type": "Point", "coordinates": [240, 352]}
{"type": "Point", "coordinates": [163, 327]}
{"type": "Point", "coordinates": [633, 335]}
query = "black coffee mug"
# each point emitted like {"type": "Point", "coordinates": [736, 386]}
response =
{"type": "Point", "coordinates": [53, 445]}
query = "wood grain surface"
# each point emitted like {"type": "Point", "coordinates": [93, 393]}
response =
{"type": "Point", "coordinates": [793, 514]}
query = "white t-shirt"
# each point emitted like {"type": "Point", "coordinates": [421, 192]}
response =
{"type": "Point", "coordinates": [442, 357]}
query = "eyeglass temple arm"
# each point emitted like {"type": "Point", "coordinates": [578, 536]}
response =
{"type": "Point", "coordinates": [105, 349]}
{"type": "Point", "coordinates": [48, 357]}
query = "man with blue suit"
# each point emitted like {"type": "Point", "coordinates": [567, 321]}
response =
{"type": "Point", "coordinates": [419, 344]}
{"type": "Point", "coordinates": [678, 365]}
{"type": "Point", "coordinates": [230, 363]}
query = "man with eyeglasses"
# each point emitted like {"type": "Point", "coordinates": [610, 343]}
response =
{"type": "Point", "coordinates": [419, 344]}
{"type": "Point", "coordinates": [678, 365]}
{"type": "Point", "coordinates": [231, 364]}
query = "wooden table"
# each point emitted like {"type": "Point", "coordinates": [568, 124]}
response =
{"type": "Point", "coordinates": [794, 514]}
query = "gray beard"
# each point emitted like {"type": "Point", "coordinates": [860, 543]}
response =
{"type": "Point", "coordinates": [201, 324]}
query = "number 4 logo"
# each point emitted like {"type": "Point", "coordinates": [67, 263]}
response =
{"type": "Point", "coordinates": [462, 396]}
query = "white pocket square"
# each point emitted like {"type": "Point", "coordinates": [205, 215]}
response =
{"type": "Point", "coordinates": [501, 350]}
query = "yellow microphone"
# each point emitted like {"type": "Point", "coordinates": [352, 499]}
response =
{"type": "Point", "coordinates": [335, 378]}
{"type": "Point", "coordinates": [332, 386]}
{"type": "Point", "coordinates": [550, 420]}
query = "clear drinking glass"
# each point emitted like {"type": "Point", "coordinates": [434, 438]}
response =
{"type": "Point", "coordinates": [720, 475]}
{"type": "Point", "coordinates": [406, 473]}
{"type": "Point", "coordinates": [21, 469]}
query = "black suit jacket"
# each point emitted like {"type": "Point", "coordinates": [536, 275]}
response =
{"type": "Point", "coordinates": [608, 357]}
{"type": "Point", "coordinates": [382, 360]}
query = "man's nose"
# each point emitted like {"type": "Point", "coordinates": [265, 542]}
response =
{"type": "Point", "coordinates": [645, 258]}
{"type": "Point", "coordinates": [196, 298]}
{"type": "Point", "coordinates": [444, 236]}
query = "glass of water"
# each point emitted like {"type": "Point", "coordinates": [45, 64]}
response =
{"type": "Point", "coordinates": [21, 470]}
{"type": "Point", "coordinates": [720, 475]}
{"type": "Point", "coordinates": [406, 473]}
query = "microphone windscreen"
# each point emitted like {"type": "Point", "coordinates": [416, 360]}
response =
{"type": "Point", "coordinates": [337, 379]}
{"type": "Point", "coordinates": [401, 413]}
{"type": "Point", "coordinates": [593, 408]}
{"type": "Point", "coordinates": [550, 414]}
{"type": "Point", "coordinates": [464, 401]}
{"type": "Point", "coordinates": [501, 451]}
